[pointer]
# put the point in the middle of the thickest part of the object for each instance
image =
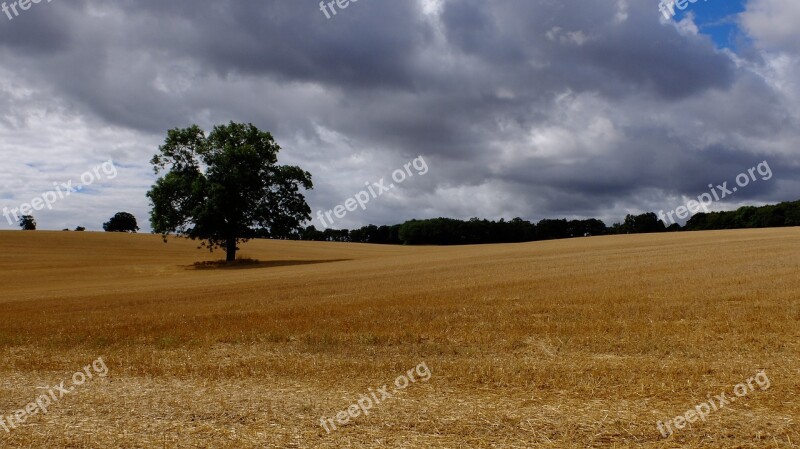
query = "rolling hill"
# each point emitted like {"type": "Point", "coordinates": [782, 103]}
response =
{"type": "Point", "coordinates": [571, 343]}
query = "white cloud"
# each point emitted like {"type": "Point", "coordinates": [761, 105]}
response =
{"type": "Point", "coordinates": [773, 24]}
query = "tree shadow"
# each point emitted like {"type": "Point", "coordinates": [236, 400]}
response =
{"type": "Point", "coordinates": [247, 264]}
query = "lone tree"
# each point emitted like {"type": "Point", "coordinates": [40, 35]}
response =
{"type": "Point", "coordinates": [27, 223]}
{"type": "Point", "coordinates": [121, 222]}
{"type": "Point", "coordinates": [226, 187]}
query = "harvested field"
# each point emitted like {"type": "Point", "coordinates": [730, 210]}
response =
{"type": "Point", "coordinates": [574, 343]}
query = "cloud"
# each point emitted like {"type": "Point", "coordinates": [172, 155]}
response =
{"type": "Point", "coordinates": [773, 24]}
{"type": "Point", "coordinates": [530, 108]}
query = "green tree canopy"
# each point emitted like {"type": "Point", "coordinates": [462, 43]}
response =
{"type": "Point", "coordinates": [27, 223]}
{"type": "Point", "coordinates": [226, 187]}
{"type": "Point", "coordinates": [121, 222]}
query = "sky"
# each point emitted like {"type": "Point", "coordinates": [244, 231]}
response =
{"type": "Point", "coordinates": [717, 19]}
{"type": "Point", "coordinates": [520, 108]}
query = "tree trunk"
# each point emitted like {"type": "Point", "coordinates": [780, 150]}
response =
{"type": "Point", "coordinates": [231, 249]}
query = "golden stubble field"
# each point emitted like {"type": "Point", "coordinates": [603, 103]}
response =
{"type": "Point", "coordinates": [576, 343]}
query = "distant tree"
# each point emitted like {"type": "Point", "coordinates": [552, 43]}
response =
{"type": "Point", "coordinates": [644, 223]}
{"type": "Point", "coordinates": [436, 231]}
{"type": "Point", "coordinates": [586, 228]}
{"type": "Point", "coordinates": [698, 222]}
{"type": "Point", "coordinates": [384, 235]}
{"type": "Point", "coordinates": [363, 234]}
{"type": "Point", "coordinates": [121, 222]}
{"type": "Point", "coordinates": [80, 229]}
{"type": "Point", "coordinates": [769, 216]}
{"type": "Point", "coordinates": [27, 223]}
{"type": "Point", "coordinates": [226, 187]}
{"type": "Point", "coordinates": [744, 216]}
{"type": "Point", "coordinates": [549, 229]}
{"type": "Point", "coordinates": [388, 235]}
{"type": "Point", "coordinates": [312, 234]}
{"type": "Point", "coordinates": [516, 230]}
{"type": "Point", "coordinates": [336, 235]}
{"type": "Point", "coordinates": [793, 214]}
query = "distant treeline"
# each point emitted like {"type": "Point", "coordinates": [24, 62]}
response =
{"type": "Point", "coordinates": [448, 231]}
{"type": "Point", "coordinates": [771, 216]}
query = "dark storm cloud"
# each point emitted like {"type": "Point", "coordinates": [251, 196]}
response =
{"type": "Point", "coordinates": [530, 108]}
{"type": "Point", "coordinates": [37, 31]}
{"type": "Point", "coordinates": [587, 45]}
{"type": "Point", "coordinates": [294, 42]}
